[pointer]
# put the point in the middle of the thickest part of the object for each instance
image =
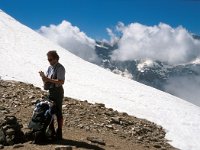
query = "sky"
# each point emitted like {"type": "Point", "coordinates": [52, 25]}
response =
{"type": "Point", "coordinates": [94, 16]}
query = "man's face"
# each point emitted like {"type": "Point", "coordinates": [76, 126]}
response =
{"type": "Point", "coordinates": [51, 60]}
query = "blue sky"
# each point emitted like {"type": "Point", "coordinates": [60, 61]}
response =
{"type": "Point", "coordinates": [94, 16]}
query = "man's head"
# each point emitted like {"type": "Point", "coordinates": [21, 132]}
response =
{"type": "Point", "coordinates": [52, 57]}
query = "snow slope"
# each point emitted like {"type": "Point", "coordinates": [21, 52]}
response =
{"type": "Point", "coordinates": [23, 54]}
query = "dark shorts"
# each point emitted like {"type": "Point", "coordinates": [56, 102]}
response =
{"type": "Point", "coordinates": [56, 95]}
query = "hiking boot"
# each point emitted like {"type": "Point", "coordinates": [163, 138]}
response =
{"type": "Point", "coordinates": [59, 134]}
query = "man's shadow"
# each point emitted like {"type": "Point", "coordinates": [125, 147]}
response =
{"type": "Point", "coordinates": [78, 144]}
{"type": "Point", "coordinates": [42, 140]}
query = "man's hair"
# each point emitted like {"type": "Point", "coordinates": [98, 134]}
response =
{"type": "Point", "coordinates": [53, 54]}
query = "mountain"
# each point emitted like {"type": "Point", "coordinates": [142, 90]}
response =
{"type": "Point", "coordinates": [23, 54]}
{"type": "Point", "coordinates": [197, 37]}
{"type": "Point", "coordinates": [156, 74]}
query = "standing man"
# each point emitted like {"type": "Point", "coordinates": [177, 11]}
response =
{"type": "Point", "coordinates": [53, 81]}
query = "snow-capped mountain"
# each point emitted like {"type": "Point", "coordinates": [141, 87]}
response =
{"type": "Point", "coordinates": [23, 54]}
{"type": "Point", "coordinates": [155, 73]}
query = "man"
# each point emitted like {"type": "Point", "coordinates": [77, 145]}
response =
{"type": "Point", "coordinates": [53, 81]}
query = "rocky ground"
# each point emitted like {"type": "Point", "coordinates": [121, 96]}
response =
{"type": "Point", "coordinates": [86, 125]}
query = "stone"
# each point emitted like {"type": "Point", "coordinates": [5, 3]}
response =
{"type": "Point", "coordinates": [139, 138]}
{"type": "Point", "coordinates": [81, 126]}
{"type": "Point", "coordinates": [124, 114]}
{"type": "Point", "coordinates": [18, 146]}
{"type": "Point", "coordinates": [11, 119]}
{"type": "Point", "coordinates": [9, 140]}
{"type": "Point", "coordinates": [64, 106]}
{"type": "Point", "coordinates": [5, 111]}
{"type": "Point", "coordinates": [2, 137]}
{"type": "Point", "coordinates": [109, 113]}
{"type": "Point", "coordinates": [115, 120]}
{"type": "Point", "coordinates": [157, 146]}
{"type": "Point", "coordinates": [31, 97]}
{"type": "Point", "coordinates": [2, 108]}
{"type": "Point", "coordinates": [1, 146]}
{"type": "Point", "coordinates": [33, 102]}
{"type": "Point", "coordinates": [87, 128]}
{"type": "Point", "coordinates": [109, 126]}
{"type": "Point", "coordinates": [10, 131]}
{"type": "Point", "coordinates": [67, 147]}
{"type": "Point", "coordinates": [96, 140]}
{"type": "Point", "coordinates": [99, 104]}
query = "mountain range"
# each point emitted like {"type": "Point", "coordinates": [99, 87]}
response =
{"type": "Point", "coordinates": [156, 74]}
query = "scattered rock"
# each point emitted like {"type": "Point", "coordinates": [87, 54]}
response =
{"type": "Point", "coordinates": [18, 146]}
{"type": "Point", "coordinates": [2, 108]}
{"type": "Point", "coordinates": [10, 131]}
{"type": "Point", "coordinates": [64, 106]}
{"type": "Point", "coordinates": [63, 147]}
{"type": "Point", "coordinates": [109, 126]}
{"type": "Point", "coordinates": [157, 146]}
{"type": "Point", "coordinates": [139, 138]}
{"type": "Point", "coordinates": [11, 119]}
{"type": "Point", "coordinates": [1, 146]}
{"type": "Point", "coordinates": [109, 113]}
{"type": "Point", "coordinates": [96, 140]}
{"type": "Point", "coordinates": [31, 97]}
{"type": "Point", "coordinates": [115, 120]}
{"type": "Point", "coordinates": [17, 99]}
{"type": "Point", "coordinates": [33, 102]}
{"type": "Point", "coordinates": [2, 137]}
{"type": "Point", "coordinates": [99, 105]}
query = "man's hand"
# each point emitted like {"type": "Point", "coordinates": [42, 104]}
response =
{"type": "Point", "coordinates": [45, 79]}
{"type": "Point", "coordinates": [42, 74]}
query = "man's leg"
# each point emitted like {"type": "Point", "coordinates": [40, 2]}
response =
{"type": "Point", "coordinates": [52, 97]}
{"type": "Point", "coordinates": [59, 129]}
{"type": "Point", "coordinates": [59, 115]}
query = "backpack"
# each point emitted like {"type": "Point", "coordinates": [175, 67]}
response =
{"type": "Point", "coordinates": [40, 121]}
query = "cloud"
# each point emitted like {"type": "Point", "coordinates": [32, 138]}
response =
{"type": "Point", "coordinates": [113, 37]}
{"type": "Point", "coordinates": [160, 42]}
{"type": "Point", "coordinates": [71, 38]}
{"type": "Point", "coordinates": [185, 87]}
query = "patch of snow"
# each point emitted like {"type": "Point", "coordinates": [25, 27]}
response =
{"type": "Point", "coordinates": [196, 61]}
{"type": "Point", "coordinates": [144, 64]}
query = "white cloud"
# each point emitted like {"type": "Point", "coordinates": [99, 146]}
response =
{"type": "Point", "coordinates": [113, 37]}
{"type": "Point", "coordinates": [185, 87]}
{"type": "Point", "coordinates": [159, 42]}
{"type": "Point", "coordinates": [71, 38]}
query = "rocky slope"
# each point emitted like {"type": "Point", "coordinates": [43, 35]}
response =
{"type": "Point", "coordinates": [86, 126]}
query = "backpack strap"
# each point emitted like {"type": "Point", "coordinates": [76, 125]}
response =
{"type": "Point", "coordinates": [55, 72]}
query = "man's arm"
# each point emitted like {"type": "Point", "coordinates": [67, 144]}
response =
{"type": "Point", "coordinates": [56, 81]}
{"type": "Point", "coordinates": [60, 77]}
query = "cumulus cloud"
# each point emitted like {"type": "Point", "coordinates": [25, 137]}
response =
{"type": "Point", "coordinates": [71, 38]}
{"type": "Point", "coordinates": [160, 42]}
